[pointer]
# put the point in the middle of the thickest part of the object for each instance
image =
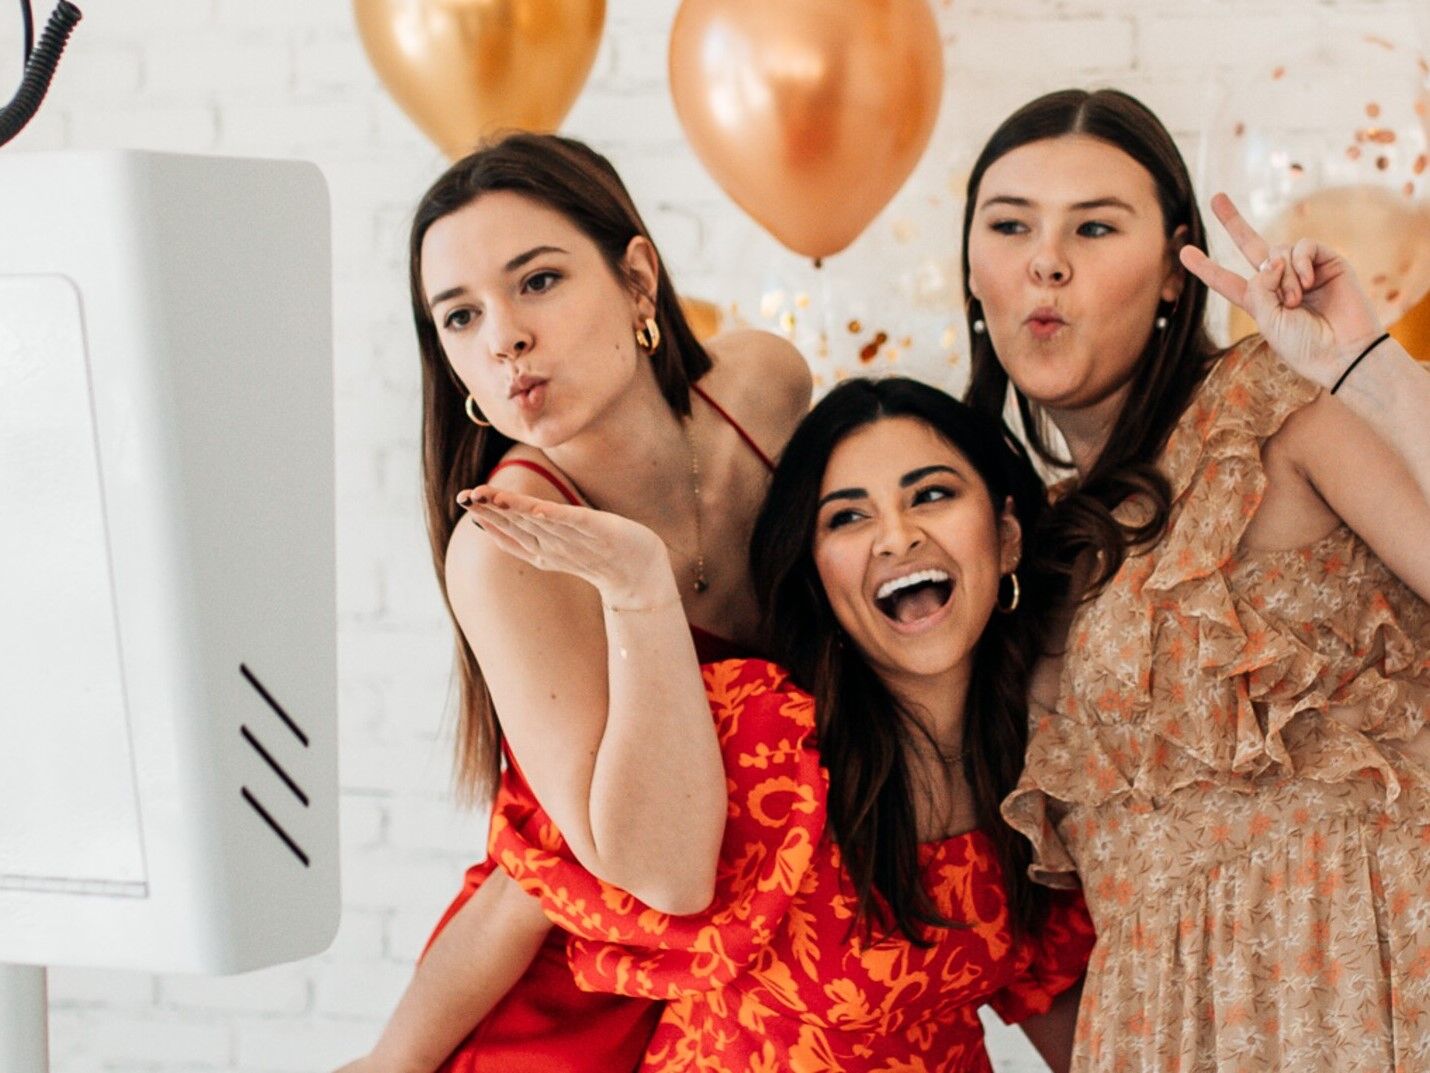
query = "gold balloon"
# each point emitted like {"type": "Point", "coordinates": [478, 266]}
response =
{"type": "Point", "coordinates": [463, 69]}
{"type": "Point", "coordinates": [703, 317]}
{"type": "Point", "coordinates": [1383, 234]}
{"type": "Point", "coordinates": [809, 113]}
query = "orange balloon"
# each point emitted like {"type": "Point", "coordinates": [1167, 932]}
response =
{"type": "Point", "coordinates": [464, 69]}
{"type": "Point", "coordinates": [703, 317]}
{"type": "Point", "coordinates": [1383, 234]}
{"type": "Point", "coordinates": [809, 113]}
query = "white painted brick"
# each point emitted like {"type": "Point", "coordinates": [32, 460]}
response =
{"type": "Point", "coordinates": [617, 119]}
{"type": "Point", "coordinates": [435, 824]}
{"type": "Point", "coordinates": [382, 765]}
{"type": "Point", "coordinates": [1041, 47]}
{"type": "Point", "coordinates": [368, 989]}
{"type": "Point", "coordinates": [188, 129]}
{"type": "Point", "coordinates": [159, 1038]}
{"type": "Point", "coordinates": [284, 15]}
{"type": "Point", "coordinates": [282, 989]}
{"type": "Point", "coordinates": [70, 987]}
{"type": "Point", "coordinates": [135, 20]}
{"type": "Point", "coordinates": [361, 937]}
{"type": "Point", "coordinates": [362, 821]}
{"type": "Point", "coordinates": [212, 68]}
{"type": "Point", "coordinates": [635, 58]}
{"type": "Point", "coordinates": [381, 876]}
{"type": "Point", "coordinates": [302, 1046]}
{"type": "Point", "coordinates": [93, 73]}
{"type": "Point", "coordinates": [1207, 40]}
{"type": "Point", "coordinates": [291, 129]}
{"type": "Point", "coordinates": [332, 62]}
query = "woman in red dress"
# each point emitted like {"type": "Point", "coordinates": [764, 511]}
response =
{"type": "Point", "coordinates": [869, 898]}
{"type": "Point", "coordinates": [557, 362]}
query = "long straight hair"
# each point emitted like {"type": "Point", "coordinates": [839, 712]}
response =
{"type": "Point", "coordinates": [864, 732]}
{"type": "Point", "coordinates": [1173, 364]}
{"type": "Point", "coordinates": [576, 181]}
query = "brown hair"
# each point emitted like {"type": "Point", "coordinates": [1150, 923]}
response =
{"type": "Point", "coordinates": [576, 181]}
{"type": "Point", "coordinates": [863, 730]}
{"type": "Point", "coordinates": [1174, 363]}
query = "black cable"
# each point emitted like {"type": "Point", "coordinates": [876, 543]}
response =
{"type": "Point", "coordinates": [39, 71]}
{"type": "Point", "coordinates": [28, 17]}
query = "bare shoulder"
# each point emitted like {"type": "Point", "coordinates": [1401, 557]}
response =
{"type": "Point", "coordinates": [763, 380]}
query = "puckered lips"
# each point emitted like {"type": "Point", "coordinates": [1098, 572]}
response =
{"type": "Point", "coordinates": [527, 392]}
{"type": "Point", "coordinates": [1045, 322]}
{"type": "Point", "coordinates": [914, 598]}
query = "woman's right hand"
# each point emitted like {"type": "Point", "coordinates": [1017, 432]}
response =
{"type": "Point", "coordinates": [624, 560]}
{"type": "Point", "coordinates": [1305, 299]}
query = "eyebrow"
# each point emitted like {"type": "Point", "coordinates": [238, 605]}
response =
{"type": "Point", "coordinates": [1093, 203]}
{"type": "Point", "coordinates": [511, 266]}
{"type": "Point", "coordinates": [910, 478]}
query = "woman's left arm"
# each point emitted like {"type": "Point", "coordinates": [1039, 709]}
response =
{"type": "Point", "coordinates": [1363, 479]}
{"type": "Point", "coordinates": [1310, 307]}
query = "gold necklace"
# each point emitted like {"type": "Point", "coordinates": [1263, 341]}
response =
{"type": "Point", "coordinates": [701, 584]}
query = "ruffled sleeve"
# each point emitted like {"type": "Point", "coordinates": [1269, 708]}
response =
{"type": "Point", "coordinates": [777, 799]}
{"type": "Point", "coordinates": [1049, 962]}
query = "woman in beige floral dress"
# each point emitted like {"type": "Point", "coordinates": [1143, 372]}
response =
{"type": "Point", "coordinates": [1230, 746]}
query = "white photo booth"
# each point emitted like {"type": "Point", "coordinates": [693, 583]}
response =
{"type": "Point", "coordinates": [168, 769]}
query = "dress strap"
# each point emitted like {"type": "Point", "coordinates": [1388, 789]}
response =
{"type": "Point", "coordinates": [538, 468]}
{"type": "Point", "coordinates": [735, 425]}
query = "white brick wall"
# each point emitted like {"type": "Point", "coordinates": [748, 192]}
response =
{"type": "Point", "coordinates": [286, 78]}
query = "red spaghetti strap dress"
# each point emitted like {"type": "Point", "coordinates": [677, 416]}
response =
{"type": "Point", "coordinates": [772, 977]}
{"type": "Point", "coordinates": [546, 1024]}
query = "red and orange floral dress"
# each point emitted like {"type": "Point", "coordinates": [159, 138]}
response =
{"type": "Point", "coordinates": [1227, 774]}
{"type": "Point", "coordinates": [772, 977]}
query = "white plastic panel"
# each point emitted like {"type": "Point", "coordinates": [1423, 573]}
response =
{"type": "Point", "coordinates": [63, 717]}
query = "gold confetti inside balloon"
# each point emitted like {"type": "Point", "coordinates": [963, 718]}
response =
{"type": "Point", "coordinates": [1334, 144]}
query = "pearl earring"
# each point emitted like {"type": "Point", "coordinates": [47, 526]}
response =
{"type": "Point", "coordinates": [979, 327]}
{"type": "Point", "coordinates": [1161, 323]}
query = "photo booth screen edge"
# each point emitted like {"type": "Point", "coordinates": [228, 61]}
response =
{"type": "Point", "coordinates": [168, 768]}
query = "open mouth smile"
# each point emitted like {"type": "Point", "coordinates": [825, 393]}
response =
{"type": "Point", "coordinates": [914, 598]}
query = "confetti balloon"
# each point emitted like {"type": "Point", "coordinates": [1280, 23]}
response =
{"type": "Point", "coordinates": [1331, 144]}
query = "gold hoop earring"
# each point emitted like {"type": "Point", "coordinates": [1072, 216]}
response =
{"type": "Point", "coordinates": [648, 335]}
{"type": "Point", "coordinates": [1012, 606]}
{"type": "Point", "coordinates": [472, 414]}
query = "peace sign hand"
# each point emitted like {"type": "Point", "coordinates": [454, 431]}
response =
{"type": "Point", "coordinates": [625, 561]}
{"type": "Point", "coordinates": [1305, 299]}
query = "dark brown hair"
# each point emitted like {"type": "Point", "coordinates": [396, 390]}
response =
{"type": "Point", "coordinates": [1173, 364]}
{"type": "Point", "coordinates": [863, 730]}
{"type": "Point", "coordinates": [576, 181]}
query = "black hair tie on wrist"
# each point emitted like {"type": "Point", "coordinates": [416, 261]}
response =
{"type": "Point", "coordinates": [1351, 367]}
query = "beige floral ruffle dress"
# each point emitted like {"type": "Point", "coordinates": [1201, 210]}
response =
{"type": "Point", "coordinates": [1258, 869]}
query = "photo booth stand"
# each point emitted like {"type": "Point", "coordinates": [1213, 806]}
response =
{"type": "Point", "coordinates": [168, 768]}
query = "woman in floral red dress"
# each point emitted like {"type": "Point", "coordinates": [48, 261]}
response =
{"type": "Point", "coordinates": [869, 899]}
